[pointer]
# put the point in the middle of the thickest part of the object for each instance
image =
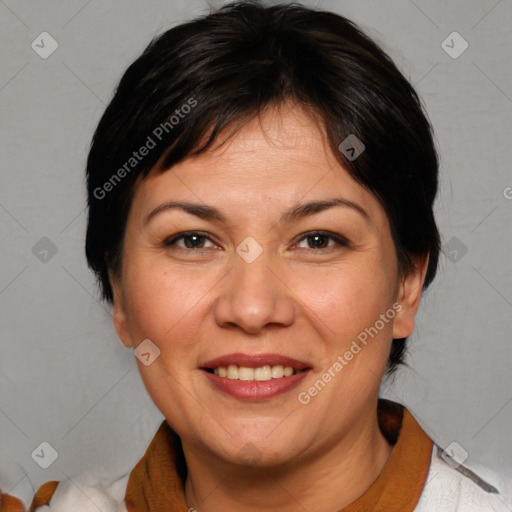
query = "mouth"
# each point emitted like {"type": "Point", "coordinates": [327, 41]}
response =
{"type": "Point", "coordinates": [254, 377]}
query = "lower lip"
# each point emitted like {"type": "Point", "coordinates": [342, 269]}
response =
{"type": "Point", "coordinates": [255, 390]}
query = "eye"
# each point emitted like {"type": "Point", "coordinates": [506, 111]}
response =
{"type": "Point", "coordinates": [192, 240]}
{"type": "Point", "coordinates": [318, 240]}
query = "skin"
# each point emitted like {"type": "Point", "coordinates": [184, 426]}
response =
{"type": "Point", "coordinates": [306, 303]}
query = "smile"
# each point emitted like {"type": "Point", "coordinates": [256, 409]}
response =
{"type": "Point", "coordinates": [254, 377]}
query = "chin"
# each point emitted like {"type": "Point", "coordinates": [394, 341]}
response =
{"type": "Point", "coordinates": [261, 451]}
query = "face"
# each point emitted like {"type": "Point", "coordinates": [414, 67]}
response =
{"type": "Point", "coordinates": [255, 281]}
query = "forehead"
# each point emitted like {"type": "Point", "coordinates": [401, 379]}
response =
{"type": "Point", "coordinates": [275, 160]}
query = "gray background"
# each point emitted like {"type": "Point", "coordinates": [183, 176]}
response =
{"type": "Point", "coordinates": [67, 380]}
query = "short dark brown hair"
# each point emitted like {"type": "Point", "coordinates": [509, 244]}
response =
{"type": "Point", "coordinates": [224, 68]}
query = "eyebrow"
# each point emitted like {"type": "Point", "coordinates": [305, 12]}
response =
{"type": "Point", "coordinates": [296, 213]}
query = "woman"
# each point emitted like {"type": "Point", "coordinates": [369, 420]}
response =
{"type": "Point", "coordinates": [261, 194]}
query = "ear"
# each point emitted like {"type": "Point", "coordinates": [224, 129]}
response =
{"type": "Point", "coordinates": [409, 296]}
{"type": "Point", "coordinates": [119, 316]}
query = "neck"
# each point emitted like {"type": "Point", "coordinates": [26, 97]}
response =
{"type": "Point", "coordinates": [329, 480]}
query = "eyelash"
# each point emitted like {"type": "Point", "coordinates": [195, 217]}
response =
{"type": "Point", "coordinates": [339, 240]}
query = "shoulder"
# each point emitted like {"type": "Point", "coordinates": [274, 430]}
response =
{"type": "Point", "coordinates": [86, 492]}
{"type": "Point", "coordinates": [452, 488]}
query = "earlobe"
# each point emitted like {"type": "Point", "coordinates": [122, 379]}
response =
{"type": "Point", "coordinates": [119, 317]}
{"type": "Point", "coordinates": [409, 297]}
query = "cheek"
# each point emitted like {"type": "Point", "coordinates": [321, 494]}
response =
{"type": "Point", "coordinates": [162, 303]}
{"type": "Point", "coordinates": [346, 299]}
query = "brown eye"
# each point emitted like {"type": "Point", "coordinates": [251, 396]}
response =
{"type": "Point", "coordinates": [192, 240]}
{"type": "Point", "coordinates": [319, 240]}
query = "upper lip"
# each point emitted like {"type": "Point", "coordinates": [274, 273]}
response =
{"type": "Point", "coordinates": [255, 361]}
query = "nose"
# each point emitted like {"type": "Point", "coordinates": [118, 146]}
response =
{"type": "Point", "coordinates": [254, 295]}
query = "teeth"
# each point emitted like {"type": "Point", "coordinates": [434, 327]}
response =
{"type": "Point", "coordinates": [277, 371]}
{"type": "Point", "coordinates": [262, 373]}
{"type": "Point", "coordinates": [232, 372]}
{"type": "Point", "coordinates": [245, 373]}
